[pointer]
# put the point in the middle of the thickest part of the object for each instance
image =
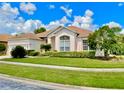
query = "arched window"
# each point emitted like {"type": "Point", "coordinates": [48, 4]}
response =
{"type": "Point", "coordinates": [64, 43]}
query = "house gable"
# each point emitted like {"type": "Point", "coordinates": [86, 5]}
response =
{"type": "Point", "coordinates": [61, 29]}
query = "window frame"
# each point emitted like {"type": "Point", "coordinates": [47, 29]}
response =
{"type": "Point", "coordinates": [66, 43]}
{"type": "Point", "coordinates": [85, 44]}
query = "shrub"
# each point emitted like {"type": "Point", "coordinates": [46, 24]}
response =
{"type": "Point", "coordinates": [2, 47]}
{"type": "Point", "coordinates": [29, 52]}
{"type": "Point", "coordinates": [83, 54]}
{"type": "Point", "coordinates": [46, 47]}
{"type": "Point", "coordinates": [34, 53]}
{"type": "Point", "coordinates": [18, 52]}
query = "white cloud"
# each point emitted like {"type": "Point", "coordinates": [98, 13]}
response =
{"type": "Point", "coordinates": [28, 8]}
{"type": "Point", "coordinates": [51, 6]}
{"type": "Point", "coordinates": [61, 22]}
{"type": "Point", "coordinates": [113, 24]}
{"type": "Point", "coordinates": [53, 24]}
{"type": "Point", "coordinates": [7, 12]}
{"type": "Point", "coordinates": [11, 22]}
{"type": "Point", "coordinates": [88, 13]}
{"type": "Point", "coordinates": [31, 25]}
{"type": "Point", "coordinates": [122, 31]}
{"type": "Point", "coordinates": [85, 22]}
{"type": "Point", "coordinates": [67, 11]}
{"type": "Point", "coordinates": [22, 26]}
{"type": "Point", "coordinates": [77, 24]}
{"type": "Point", "coordinates": [78, 19]}
{"type": "Point", "coordinates": [64, 20]}
{"type": "Point", "coordinates": [120, 4]}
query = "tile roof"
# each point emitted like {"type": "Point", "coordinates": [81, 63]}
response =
{"type": "Point", "coordinates": [4, 37]}
{"type": "Point", "coordinates": [82, 32]}
{"type": "Point", "coordinates": [25, 36]}
{"type": "Point", "coordinates": [43, 34]}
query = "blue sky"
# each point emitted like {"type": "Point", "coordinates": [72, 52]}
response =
{"type": "Point", "coordinates": [90, 15]}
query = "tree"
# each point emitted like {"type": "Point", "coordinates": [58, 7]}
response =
{"type": "Point", "coordinates": [40, 30]}
{"type": "Point", "coordinates": [104, 38]}
{"type": "Point", "coordinates": [18, 52]}
{"type": "Point", "coordinates": [46, 47]}
{"type": "Point", "coordinates": [2, 47]}
{"type": "Point", "coordinates": [117, 49]}
{"type": "Point", "coordinates": [91, 40]}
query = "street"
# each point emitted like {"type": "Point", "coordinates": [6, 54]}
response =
{"type": "Point", "coordinates": [7, 84]}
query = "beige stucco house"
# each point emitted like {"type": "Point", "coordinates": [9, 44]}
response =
{"type": "Point", "coordinates": [61, 39]}
{"type": "Point", "coordinates": [66, 38]}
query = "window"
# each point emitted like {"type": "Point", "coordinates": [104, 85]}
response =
{"type": "Point", "coordinates": [64, 43]}
{"type": "Point", "coordinates": [85, 45]}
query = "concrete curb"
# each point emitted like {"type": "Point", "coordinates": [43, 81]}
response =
{"type": "Point", "coordinates": [66, 68]}
{"type": "Point", "coordinates": [49, 85]}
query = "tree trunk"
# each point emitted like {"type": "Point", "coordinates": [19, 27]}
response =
{"type": "Point", "coordinates": [106, 53]}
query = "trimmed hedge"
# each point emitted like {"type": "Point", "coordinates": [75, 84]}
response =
{"type": "Point", "coordinates": [34, 53]}
{"type": "Point", "coordinates": [29, 52]}
{"type": "Point", "coordinates": [75, 54]}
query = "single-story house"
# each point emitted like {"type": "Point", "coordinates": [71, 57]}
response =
{"type": "Point", "coordinates": [66, 38]}
{"type": "Point", "coordinates": [4, 39]}
{"type": "Point", "coordinates": [61, 39]}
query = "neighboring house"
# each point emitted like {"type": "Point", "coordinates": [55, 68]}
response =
{"type": "Point", "coordinates": [61, 39]}
{"type": "Point", "coordinates": [4, 39]}
{"type": "Point", "coordinates": [29, 41]}
{"type": "Point", "coordinates": [66, 38]}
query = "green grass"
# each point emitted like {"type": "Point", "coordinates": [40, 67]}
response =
{"type": "Point", "coordinates": [91, 79]}
{"type": "Point", "coordinates": [73, 62]}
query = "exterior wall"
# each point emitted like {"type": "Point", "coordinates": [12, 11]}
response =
{"type": "Point", "coordinates": [60, 33]}
{"type": "Point", "coordinates": [43, 42]}
{"type": "Point", "coordinates": [80, 44]}
{"type": "Point", "coordinates": [53, 42]}
{"type": "Point", "coordinates": [28, 44]}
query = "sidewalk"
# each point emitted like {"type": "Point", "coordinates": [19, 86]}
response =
{"type": "Point", "coordinates": [2, 57]}
{"type": "Point", "coordinates": [67, 68]}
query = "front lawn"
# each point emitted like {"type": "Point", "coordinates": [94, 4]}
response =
{"type": "Point", "coordinates": [73, 62]}
{"type": "Point", "coordinates": [91, 79]}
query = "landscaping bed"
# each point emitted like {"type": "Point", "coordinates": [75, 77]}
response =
{"type": "Point", "coordinates": [72, 62]}
{"type": "Point", "coordinates": [73, 54]}
{"type": "Point", "coordinates": [90, 79]}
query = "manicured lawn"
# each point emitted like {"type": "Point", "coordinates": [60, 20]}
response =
{"type": "Point", "coordinates": [74, 62]}
{"type": "Point", "coordinates": [92, 79]}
